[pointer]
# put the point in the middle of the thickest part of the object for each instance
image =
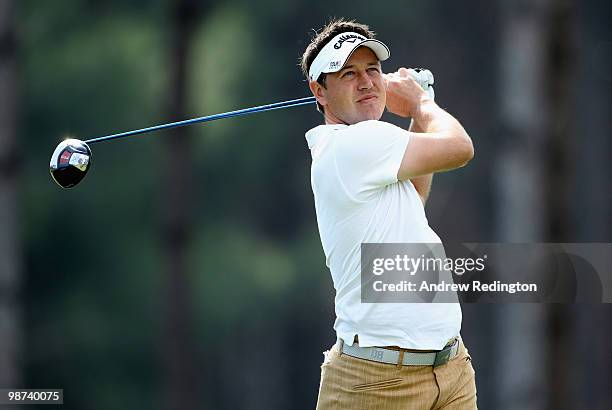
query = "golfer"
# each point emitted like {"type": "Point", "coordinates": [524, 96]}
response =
{"type": "Point", "coordinates": [370, 181]}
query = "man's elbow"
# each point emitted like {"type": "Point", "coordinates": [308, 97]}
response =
{"type": "Point", "coordinates": [465, 150]}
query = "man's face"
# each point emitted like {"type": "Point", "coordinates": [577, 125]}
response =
{"type": "Point", "coordinates": [356, 93]}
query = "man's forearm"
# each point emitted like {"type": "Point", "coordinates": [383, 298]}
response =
{"type": "Point", "coordinates": [422, 183]}
{"type": "Point", "coordinates": [429, 117]}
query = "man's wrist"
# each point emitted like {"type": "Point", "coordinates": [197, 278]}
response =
{"type": "Point", "coordinates": [423, 112]}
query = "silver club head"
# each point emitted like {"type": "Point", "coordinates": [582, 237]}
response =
{"type": "Point", "coordinates": [70, 162]}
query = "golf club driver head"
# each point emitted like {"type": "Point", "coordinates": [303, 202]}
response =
{"type": "Point", "coordinates": [70, 162]}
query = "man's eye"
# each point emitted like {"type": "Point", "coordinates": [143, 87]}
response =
{"type": "Point", "coordinates": [374, 69]}
{"type": "Point", "coordinates": [348, 73]}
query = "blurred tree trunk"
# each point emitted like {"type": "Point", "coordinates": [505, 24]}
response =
{"type": "Point", "coordinates": [10, 241]}
{"type": "Point", "coordinates": [592, 196]}
{"type": "Point", "coordinates": [559, 85]}
{"type": "Point", "coordinates": [180, 371]}
{"type": "Point", "coordinates": [521, 376]}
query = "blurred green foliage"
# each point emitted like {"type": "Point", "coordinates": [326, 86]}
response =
{"type": "Point", "coordinates": [94, 283]}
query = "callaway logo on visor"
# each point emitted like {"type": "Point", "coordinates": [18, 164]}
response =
{"type": "Point", "coordinates": [334, 55]}
{"type": "Point", "coordinates": [348, 37]}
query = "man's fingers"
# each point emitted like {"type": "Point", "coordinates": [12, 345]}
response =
{"type": "Point", "coordinates": [403, 72]}
{"type": "Point", "coordinates": [389, 78]}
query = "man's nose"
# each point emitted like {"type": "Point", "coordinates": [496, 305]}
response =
{"type": "Point", "coordinates": [365, 82]}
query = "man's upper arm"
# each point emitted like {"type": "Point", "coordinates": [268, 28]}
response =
{"type": "Point", "coordinates": [427, 153]}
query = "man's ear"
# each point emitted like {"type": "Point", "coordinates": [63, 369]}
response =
{"type": "Point", "coordinates": [318, 91]}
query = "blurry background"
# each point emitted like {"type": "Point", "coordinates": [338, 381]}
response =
{"type": "Point", "coordinates": [186, 270]}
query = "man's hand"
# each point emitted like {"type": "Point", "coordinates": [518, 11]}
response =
{"type": "Point", "coordinates": [404, 94]}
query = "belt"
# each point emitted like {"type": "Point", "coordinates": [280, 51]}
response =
{"type": "Point", "coordinates": [389, 356]}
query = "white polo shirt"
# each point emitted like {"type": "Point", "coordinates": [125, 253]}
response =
{"type": "Point", "coordinates": [358, 199]}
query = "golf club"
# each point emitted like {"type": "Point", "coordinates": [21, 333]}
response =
{"type": "Point", "coordinates": [72, 158]}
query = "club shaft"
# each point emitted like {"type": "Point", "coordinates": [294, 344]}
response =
{"type": "Point", "coordinates": [244, 111]}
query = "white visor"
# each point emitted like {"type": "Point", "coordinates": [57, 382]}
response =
{"type": "Point", "coordinates": [339, 49]}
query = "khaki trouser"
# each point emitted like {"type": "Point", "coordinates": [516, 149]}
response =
{"type": "Point", "coordinates": [357, 384]}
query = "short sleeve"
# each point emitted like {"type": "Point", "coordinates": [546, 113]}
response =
{"type": "Point", "coordinates": [368, 156]}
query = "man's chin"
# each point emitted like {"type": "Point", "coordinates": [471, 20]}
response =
{"type": "Point", "coordinates": [372, 115]}
{"type": "Point", "coordinates": [365, 115]}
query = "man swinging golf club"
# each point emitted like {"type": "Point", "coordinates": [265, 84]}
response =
{"type": "Point", "coordinates": [370, 181]}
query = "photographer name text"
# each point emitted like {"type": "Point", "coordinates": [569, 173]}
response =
{"type": "Point", "coordinates": [475, 286]}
